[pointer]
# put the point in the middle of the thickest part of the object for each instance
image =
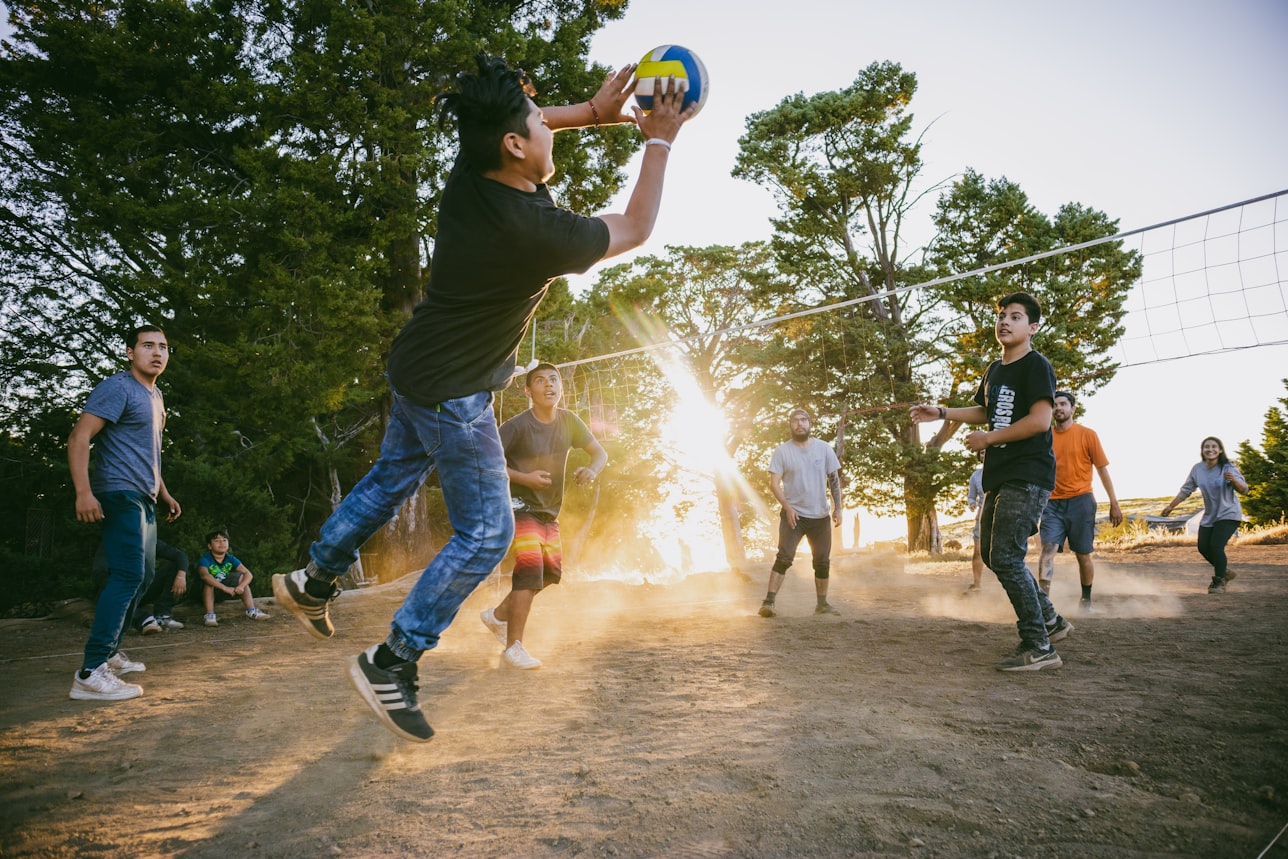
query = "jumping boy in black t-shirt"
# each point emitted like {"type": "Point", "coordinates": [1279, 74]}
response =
{"type": "Point", "coordinates": [501, 240]}
{"type": "Point", "coordinates": [1015, 399]}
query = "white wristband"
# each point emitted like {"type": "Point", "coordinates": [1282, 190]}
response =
{"type": "Point", "coordinates": [657, 141]}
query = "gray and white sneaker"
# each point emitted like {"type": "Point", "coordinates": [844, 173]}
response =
{"type": "Point", "coordinates": [149, 626]}
{"type": "Point", "coordinates": [1028, 659]}
{"type": "Point", "coordinates": [391, 695]}
{"type": "Point", "coordinates": [499, 628]}
{"type": "Point", "coordinates": [1059, 629]}
{"type": "Point", "coordinates": [102, 684]}
{"type": "Point", "coordinates": [311, 611]}
{"type": "Point", "coordinates": [516, 656]}
{"type": "Point", "coordinates": [122, 664]}
{"type": "Point", "coordinates": [166, 622]}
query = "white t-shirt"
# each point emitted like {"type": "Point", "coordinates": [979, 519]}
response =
{"type": "Point", "coordinates": [804, 470]}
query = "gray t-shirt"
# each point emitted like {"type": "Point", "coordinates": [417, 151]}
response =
{"type": "Point", "coordinates": [804, 471]}
{"type": "Point", "coordinates": [1219, 498]}
{"type": "Point", "coordinates": [127, 452]}
{"type": "Point", "coordinates": [531, 445]}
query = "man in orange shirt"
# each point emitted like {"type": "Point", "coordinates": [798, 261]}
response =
{"type": "Point", "coordinates": [1071, 512]}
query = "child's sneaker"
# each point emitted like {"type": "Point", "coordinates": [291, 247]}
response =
{"type": "Point", "coordinates": [210, 619]}
{"type": "Point", "coordinates": [255, 614]}
{"type": "Point", "coordinates": [103, 685]}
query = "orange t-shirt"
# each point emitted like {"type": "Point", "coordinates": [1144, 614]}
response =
{"type": "Point", "coordinates": [1077, 451]}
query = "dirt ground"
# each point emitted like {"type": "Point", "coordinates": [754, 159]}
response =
{"type": "Point", "coordinates": [671, 721]}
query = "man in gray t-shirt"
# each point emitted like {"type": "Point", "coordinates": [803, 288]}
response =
{"type": "Point", "coordinates": [802, 473]}
{"type": "Point", "coordinates": [123, 419]}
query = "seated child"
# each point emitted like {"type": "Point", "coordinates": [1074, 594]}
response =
{"type": "Point", "coordinates": [223, 576]}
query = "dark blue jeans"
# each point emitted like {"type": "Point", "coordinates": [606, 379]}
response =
{"type": "Point", "coordinates": [129, 543]}
{"type": "Point", "coordinates": [1010, 517]}
{"type": "Point", "coordinates": [1212, 540]}
{"type": "Point", "coordinates": [459, 439]}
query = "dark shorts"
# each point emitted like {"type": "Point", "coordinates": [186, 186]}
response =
{"type": "Point", "coordinates": [538, 552]}
{"type": "Point", "coordinates": [1073, 519]}
{"type": "Point", "coordinates": [231, 581]}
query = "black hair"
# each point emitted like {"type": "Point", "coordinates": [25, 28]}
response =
{"type": "Point", "coordinates": [488, 106]}
{"type": "Point", "coordinates": [132, 336]}
{"type": "Point", "coordinates": [218, 532]}
{"type": "Point", "coordinates": [1073, 401]}
{"type": "Point", "coordinates": [544, 365]}
{"type": "Point", "coordinates": [1030, 304]}
{"type": "Point", "coordinates": [1221, 459]}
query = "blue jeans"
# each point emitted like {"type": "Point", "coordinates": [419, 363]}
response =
{"type": "Point", "coordinates": [1010, 517]}
{"type": "Point", "coordinates": [458, 438]}
{"type": "Point", "coordinates": [129, 545]}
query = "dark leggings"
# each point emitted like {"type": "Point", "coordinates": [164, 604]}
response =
{"type": "Point", "coordinates": [1212, 540]}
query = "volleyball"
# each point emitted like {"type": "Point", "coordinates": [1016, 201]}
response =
{"type": "Point", "coordinates": [690, 76]}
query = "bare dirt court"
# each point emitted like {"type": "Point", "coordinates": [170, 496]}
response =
{"type": "Point", "coordinates": [673, 722]}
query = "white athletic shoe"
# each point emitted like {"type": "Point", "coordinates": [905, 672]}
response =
{"type": "Point", "coordinates": [499, 628]}
{"type": "Point", "coordinates": [103, 685]}
{"type": "Point", "coordinates": [122, 664]}
{"type": "Point", "coordinates": [516, 657]}
{"type": "Point", "coordinates": [257, 614]}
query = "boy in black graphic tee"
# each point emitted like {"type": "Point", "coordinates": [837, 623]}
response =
{"type": "Point", "coordinates": [1015, 399]}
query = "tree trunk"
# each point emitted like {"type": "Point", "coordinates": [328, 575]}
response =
{"type": "Point", "coordinates": [730, 524]}
{"type": "Point", "coordinates": [583, 533]}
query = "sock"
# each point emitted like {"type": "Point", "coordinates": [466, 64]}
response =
{"type": "Point", "coordinates": [83, 674]}
{"type": "Point", "coordinates": [769, 598]}
{"type": "Point", "coordinates": [386, 658]}
{"type": "Point", "coordinates": [1086, 593]}
{"type": "Point", "coordinates": [316, 589]}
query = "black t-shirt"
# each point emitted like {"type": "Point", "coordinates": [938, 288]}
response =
{"type": "Point", "coordinates": [1008, 392]}
{"type": "Point", "coordinates": [531, 445]}
{"type": "Point", "coordinates": [496, 251]}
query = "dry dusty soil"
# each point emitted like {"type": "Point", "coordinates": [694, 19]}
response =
{"type": "Point", "coordinates": [672, 721]}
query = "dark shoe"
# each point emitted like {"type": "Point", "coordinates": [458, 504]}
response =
{"type": "Point", "coordinates": [1026, 659]}
{"type": "Point", "coordinates": [391, 694]}
{"type": "Point", "coordinates": [1059, 630]}
{"type": "Point", "coordinates": [767, 610]}
{"type": "Point", "coordinates": [826, 608]}
{"type": "Point", "coordinates": [1217, 586]}
{"type": "Point", "coordinates": [309, 610]}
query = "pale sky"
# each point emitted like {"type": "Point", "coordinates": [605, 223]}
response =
{"type": "Point", "coordinates": [1148, 111]}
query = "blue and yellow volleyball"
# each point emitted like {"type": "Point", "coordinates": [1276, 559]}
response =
{"type": "Point", "coordinates": [690, 75]}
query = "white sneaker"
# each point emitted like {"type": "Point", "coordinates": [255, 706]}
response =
{"type": "Point", "coordinates": [122, 664]}
{"type": "Point", "coordinates": [149, 626]}
{"type": "Point", "coordinates": [256, 614]}
{"type": "Point", "coordinates": [516, 657]}
{"type": "Point", "coordinates": [103, 685]}
{"type": "Point", "coordinates": [210, 619]}
{"type": "Point", "coordinates": [167, 622]}
{"type": "Point", "coordinates": [500, 628]}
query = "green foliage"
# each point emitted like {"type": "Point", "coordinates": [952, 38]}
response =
{"type": "Point", "coordinates": [1267, 469]}
{"type": "Point", "coordinates": [261, 179]}
{"type": "Point", "coordinates": [844, 167]}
